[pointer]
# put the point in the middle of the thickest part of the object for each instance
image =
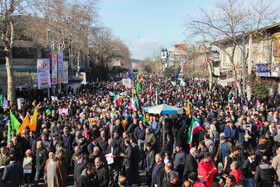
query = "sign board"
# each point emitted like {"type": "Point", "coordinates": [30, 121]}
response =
{"type": "Point", "coordinates": [263, 70]}
{"type": "Point", "coordinates": [275, 65]}
{"type": "Point", "coordinates": [63, 110]}
{"type": "Point", "coordinates": [65, 72]}
{"type": "Point", "coordinates": [127, 82]}
{"type": "Point", "coordinates": [93, 121]}
{"type": "Point", "coordinates": [54, 68]}
{"type": "Point", "coordinates": [60, 67]}
{"type": "Point", "coordinates": [43, 73]}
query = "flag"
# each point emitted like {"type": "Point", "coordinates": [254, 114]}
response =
{"type": "Point", "coordinates": [15, 123]}
{"type": "Point", "coordinates": [206, 59]}
{"type": "Point", "coordinates": [117, 99]}
{"type": "Point", "coordinates": [33, 123]}
{"type": "Point", "coordinates": [188, 110]}
{"type": "Point", "coordinates": [112, 115]}
{"type": "Point", "coordinates": [3, 101]}
{"type": "Point", "coordinates": [134, 103]}
{"type": "Point", "coordinates": [194, 128]}
{"type": "Point", "coordinates": [151, 77]}
{"type": "Point", "coordinates": [151, 89]}
{"type": "Point", "coordinates": [9, 132]}
{"type": "Point", "coordinates": [259, 105]}
{"type": "Point", "coordinates": [138, 88]}
{"type": "Point", "coordinates": [25, 123]}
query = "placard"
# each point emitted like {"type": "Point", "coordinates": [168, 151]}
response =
{"type": "Point", "coordinates": [27, 162]}
{"type": "Point", "coordinates": [127, 82]}
{"type": "Point", "coordinates": [63, 110]}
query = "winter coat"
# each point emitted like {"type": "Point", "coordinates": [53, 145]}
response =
{"type": "Point", "coordinates": [203, 169]}
{"type": "Point", "coordinates": [264, 175]}
{"type": "Point", "coordinates": [276, 165]}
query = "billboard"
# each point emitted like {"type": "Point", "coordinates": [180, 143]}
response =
{"type": "Point", "coordinates": [54, 68]}
{"type": "Point", "coordinates": [65, 72]}
{"type": "Point", "coordinates": [275, 65]}
{"type": "Point", "coordinates": [43, 73]}
{"type": "Point", "coordinates": [263, 70]}
{"type": "Point", "coordinates": [60, 67]}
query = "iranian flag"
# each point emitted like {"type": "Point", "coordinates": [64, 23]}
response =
{"type": "Point", "coordinates": [151, 89]}
{"type": "Point", "coordinates": [117, 99]}
{"type": "Point", "coordinates": [134, 103]}
{"type": "Point", "coordinates": [151, 77]}
{"type": "Point", "coordinates": [112, 115]}
{"type": "Point", "coordinates": [194, 128]}
{"type": "Point", "coordinates": [3, 101]}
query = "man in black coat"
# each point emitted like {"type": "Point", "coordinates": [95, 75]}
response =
{"type": "Point", "coordinates": [150, 161]}
{"type": "Point", "coordinates": [102, 172]}
{"type": "Point", "coordinates": [265, 173]}
{"type": "Point", "coordinates": [191, 163]}
{"type": "Point", "coordinates": [128, 161]}
{"type": "Point", "coordinates": [79, 165]}
{"type": "Point", "coordinates": [249, 168]}
{"type": "Point", "coordinates": [158, 170]}
{"type": "Point", "coordinates": [13, 173]}
{"type": "Point", "coordinates": [41, 158]}
{"type": "Point", "coordinates": [115, 167]}
{"type": "Point", "coordinates": [88, 177]}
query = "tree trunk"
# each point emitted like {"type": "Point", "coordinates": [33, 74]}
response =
{"type": "Point", "coordinates": [237, 82]}
{"type": "Point", "coordinates": [248, 86]}
{"type": "Point", "coordinates": [78, 64]}
{"type": "Point", "coordinates": [210, 75]}
{"type": "Point", "coordinates": [10, 78]}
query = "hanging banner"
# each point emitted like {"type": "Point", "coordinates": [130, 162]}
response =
{"type": "Point", "coordinates": [54, 68]}
{"type": "Point", "coordinates": [275, 65]}
{"type": "Point", "coordinates": [65, 72]}
{"type": "Point", "coordinates": [60, 67]}
{"type": "Point", "coordinates": [43, 73]}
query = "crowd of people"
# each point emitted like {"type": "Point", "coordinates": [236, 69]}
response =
{"type": "Point", "coordinates": [104, 143]}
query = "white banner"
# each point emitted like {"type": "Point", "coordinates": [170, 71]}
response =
{"type": "Point", "coordinates": [65, 72]}
{"type": "Point", "coordinates": [43, 73]}
{"type": "Point", "coordinates": [54, 68]}
{"type": "Point", "coordinates": [127, 82]}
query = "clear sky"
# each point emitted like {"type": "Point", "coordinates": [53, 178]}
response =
{"type": "Point", "coordinates": [146, 26]}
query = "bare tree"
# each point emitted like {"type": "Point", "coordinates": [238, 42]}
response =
{"type": "Point", "coordinates": [224, 24]}
{"type": "Point", "coordinates": [70, 23]}
{"type": "Point", "coordinates": [9, 8]}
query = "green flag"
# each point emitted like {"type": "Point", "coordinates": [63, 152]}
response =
{"type": "Point", "coordinates": [2, 99]}
{"type": "Point", "coordinates": [138, 88]}
{"type": "Point", "coordinates": [15, 123]}
{"type": "Point", "coordinates": [9, 132]}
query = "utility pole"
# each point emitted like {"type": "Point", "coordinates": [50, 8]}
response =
{"type": "Point", "coordinates": [48, 56]}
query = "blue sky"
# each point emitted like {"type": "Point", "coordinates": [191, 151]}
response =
{"type": "Point", "coordinates": [146, 26]}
